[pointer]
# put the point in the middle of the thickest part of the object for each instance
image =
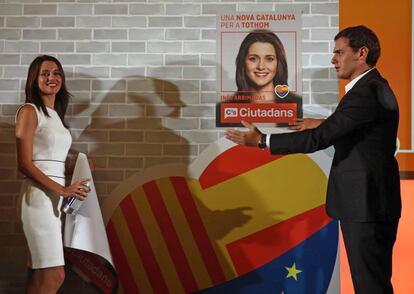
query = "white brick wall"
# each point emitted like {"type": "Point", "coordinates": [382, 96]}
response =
{"type": "Point", "coordinates": [143, 78]}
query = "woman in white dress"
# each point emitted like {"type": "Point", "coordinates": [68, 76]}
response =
{"type": "Point", "coordinates": [43, 141]}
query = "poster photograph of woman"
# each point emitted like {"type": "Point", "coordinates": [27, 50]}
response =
{"type": "Point", "coordinates": [259, 68]}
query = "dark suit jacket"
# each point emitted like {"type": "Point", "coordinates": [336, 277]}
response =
{"type": "Point", "coordinates": [364, 183]}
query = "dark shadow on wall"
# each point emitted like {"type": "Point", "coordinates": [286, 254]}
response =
{"type": "Point", "coordinates": [12, 243]}
{"type": "Point", "coordinates": [128, 129]}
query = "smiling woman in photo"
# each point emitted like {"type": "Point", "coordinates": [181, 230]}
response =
{"type": "Point", "coordinates": [261, 65]}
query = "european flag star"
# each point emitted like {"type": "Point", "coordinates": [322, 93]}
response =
{"type": "Point", "coordinates": [292, 271]}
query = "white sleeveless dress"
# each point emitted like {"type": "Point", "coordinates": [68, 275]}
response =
{"type": "Point", "coordinates": [40, 207]}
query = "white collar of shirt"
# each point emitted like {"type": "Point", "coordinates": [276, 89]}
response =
{"type": "Point", "coordinates": [354, 81]}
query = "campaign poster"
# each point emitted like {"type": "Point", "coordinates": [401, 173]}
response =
{"type": "Point", "coordinates": [259, 68]}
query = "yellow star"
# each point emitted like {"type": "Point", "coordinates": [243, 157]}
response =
{"type": "Point", "coordinates": [292, 271]}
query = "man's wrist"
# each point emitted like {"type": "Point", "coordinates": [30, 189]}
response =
{"type": "Point", "coordinates": [262, 141]}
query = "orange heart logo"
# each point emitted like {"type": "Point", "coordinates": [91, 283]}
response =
{"type": "Point", "coordinates": [282, 91]}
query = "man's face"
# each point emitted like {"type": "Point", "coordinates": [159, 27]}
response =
{"type": "Point", "coordinates": [347, 62]}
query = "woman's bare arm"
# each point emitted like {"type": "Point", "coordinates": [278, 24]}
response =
{"type": "Point", "coordinates": [25, 129]}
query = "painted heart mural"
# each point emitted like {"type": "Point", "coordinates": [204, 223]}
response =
{"type": "Point", "coordinates": [237, 220]}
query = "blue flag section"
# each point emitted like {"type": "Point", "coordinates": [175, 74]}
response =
{"type": "Point", "coordinates": [305, 269]}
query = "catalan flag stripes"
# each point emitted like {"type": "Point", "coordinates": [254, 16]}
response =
{"type": "Point", "coordinates": [146, 231]}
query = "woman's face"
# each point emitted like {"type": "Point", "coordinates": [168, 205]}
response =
{"type": "Point", "coordinates": [261, 65]}
{"type": "Point", "coordinates": [50, 78]}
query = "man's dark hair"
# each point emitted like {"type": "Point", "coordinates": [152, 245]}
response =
{"type": "Point", "coordinates": [361, 36]}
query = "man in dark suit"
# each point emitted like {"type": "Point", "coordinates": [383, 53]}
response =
{"type": "Point", "coordinates": [363, 186]}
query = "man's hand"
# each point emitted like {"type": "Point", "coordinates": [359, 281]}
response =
{"type": "Point", "coordinates": [305, 123]}
{"type": "Point", "coordinates": [247, 138]}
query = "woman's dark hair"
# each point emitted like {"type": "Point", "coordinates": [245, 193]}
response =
{"type": "Point", "coordinates": [263, 36]}
{"type": "Point", "coordinates": [32, 90]}
{"type": "Point", "coordinates": [361, 36]}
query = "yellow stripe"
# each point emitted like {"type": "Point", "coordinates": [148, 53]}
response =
{"type": "Point", "coordinates": [184, 234]}
{"type": "Point", "coordinates": [250, 202]}
{"type": "Point", "coordinates": [130, 251]}
{"type": "Point", "coordinates": [156, 241]}
{"type": "Point", "coordinates": [215, 223]}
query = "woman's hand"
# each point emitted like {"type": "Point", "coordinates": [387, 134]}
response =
{"type": "Point", "coordinates": [77, 189]}
{"type": "Point", "coordinates": [306, 123]}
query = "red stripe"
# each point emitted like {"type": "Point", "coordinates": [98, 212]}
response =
{"type": "Point", "coordinates": [222, 168]}
{"type": "Point", "coordinates": [263, 246]}
{"type": "Point", "coordinates": [143, 246]}
{"type": "Point", "coordinates": [170, 237]}
{"type": "Point", "coordinates": [198, 230]}
{"type": "Point", "coordinates": [124, 271]}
